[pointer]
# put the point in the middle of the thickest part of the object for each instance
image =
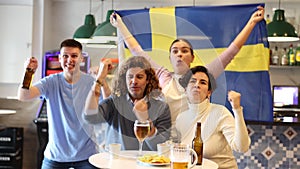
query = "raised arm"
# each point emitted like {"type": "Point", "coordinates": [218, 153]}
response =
{"type": "Point", "coordinates": [217, 66]}
{"type": "Point", "coordinates": [91, 103]}
{"type": "Point", "coordinates": [241, 138]}
{"type": "Point", "coordinates": [105, 66]}
{"type": "Point", "coordinates": [256, 17]}
{"type": "Point", "coordinates": [100, 86]}
{"type": "Point", "coordinates": [136, 50]}
{"type": "Point", "coordinates": [33, 92]}
{"type": "Point", "coordinates": [128, 38]}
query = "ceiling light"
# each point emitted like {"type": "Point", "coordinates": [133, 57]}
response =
{"type": "Point", "coordinates": [105, 31]}
{"type": "Point", "coordinates": [84, 32]}
{"type": "Point", "coordinates": [279, 30]}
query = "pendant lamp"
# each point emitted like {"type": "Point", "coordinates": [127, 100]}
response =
{"type": "Point", "coordinates": [84, 32]}
{"type": "Point", "coordinates": [96, 44]}
{"type": "Point", "coordinates": [105, 31]}
{"type": "Point", "coordinates": [279, 30]}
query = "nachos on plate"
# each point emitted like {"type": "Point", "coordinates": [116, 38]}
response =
{"type": "Point", "coordinates": [154, 159]}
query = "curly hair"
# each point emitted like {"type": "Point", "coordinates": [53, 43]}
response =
{"type": "Point", "coordinates": [119, 86]}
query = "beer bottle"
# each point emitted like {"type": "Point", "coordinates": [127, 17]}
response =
{"type": "Point", "coordinates": [268, 20]}
{"type": "Point", "coordinates": [291, 55]}
{"type": "Point", "coordinates": [27, 78]}
{"type": "Point", "coordinates": [197, 144]}
{"type": "Point", "coordinates": [298, 55]}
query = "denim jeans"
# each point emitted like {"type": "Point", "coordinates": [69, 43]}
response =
{"type": "Point", "coordinates": [49, 164]}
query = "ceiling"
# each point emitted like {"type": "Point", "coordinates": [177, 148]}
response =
{"type": "Point", "coordinates": [30, 2]}
{"type": "Point", "coordinates": [16, 2]}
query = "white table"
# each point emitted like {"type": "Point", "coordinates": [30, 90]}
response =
{"type": "Point", "coordinates": [127, 159]}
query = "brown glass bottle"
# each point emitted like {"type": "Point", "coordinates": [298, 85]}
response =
{"type": "Point", "coordinates": [27, 78]}
{"type": "Point", "coordinates": [197, 144]}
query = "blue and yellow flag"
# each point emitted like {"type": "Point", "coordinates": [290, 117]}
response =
{"type": "Point", "coordinates": [211, 29]}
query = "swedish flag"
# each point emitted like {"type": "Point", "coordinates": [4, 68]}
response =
{"type": "Point", "coordinates": [211, 29]}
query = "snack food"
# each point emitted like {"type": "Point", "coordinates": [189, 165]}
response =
{"type": "Point", "coordinates": [154, 159]}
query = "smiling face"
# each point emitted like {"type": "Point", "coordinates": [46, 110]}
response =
{"type": "Point", "coordinates": [181, 56]}
{"type": "Point", "coordinates": [198, 88]}
{"type": "Point", "coordinates": [70, 59]}
{"type": "Point", "coordinates": [136, 81]}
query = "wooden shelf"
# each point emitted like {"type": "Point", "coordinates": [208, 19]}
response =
{"type": "Point", "coordinates": [283, 67]}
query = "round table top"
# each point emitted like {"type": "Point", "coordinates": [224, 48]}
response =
{"type": "Point", "coordinates": [128, 159]}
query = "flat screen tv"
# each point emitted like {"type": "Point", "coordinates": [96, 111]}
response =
{"type": "Point", "coordinates": [286, 96]}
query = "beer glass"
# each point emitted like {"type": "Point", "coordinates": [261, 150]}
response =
{"type": "Point", "coordinates": [141, 130]}
{"type": "Point", "coordinates": [181, 156]}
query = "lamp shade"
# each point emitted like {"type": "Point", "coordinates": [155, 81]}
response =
{"type": "Point", "coordinates": [84, 32]}
{"type": "Point", "coordinates": [107, 45]}
{"type": "Point", "coordinates": [105, 31]}
{"type": "Point", "coordinates": [279, 30]}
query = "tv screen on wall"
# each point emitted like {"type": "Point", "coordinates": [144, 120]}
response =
{"type": "Point", "coordinates": [286, 96]}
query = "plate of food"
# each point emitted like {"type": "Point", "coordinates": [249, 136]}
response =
{"type": "Point", "coordinates": [154, 160]}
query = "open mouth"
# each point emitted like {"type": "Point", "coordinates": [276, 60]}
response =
{"type": "Point", "coordinates": [69, 66]}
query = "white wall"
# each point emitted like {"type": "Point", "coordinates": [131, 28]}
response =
{"type": "Point", "coordinates": [15, 32]}
{"type": "Point", "coordinates": [15, 45]}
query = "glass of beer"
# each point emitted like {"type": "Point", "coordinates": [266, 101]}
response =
{"type": "Point", "coordinates": [141, 130]}
{"type": "Point", "coordinates": [180, 156]}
